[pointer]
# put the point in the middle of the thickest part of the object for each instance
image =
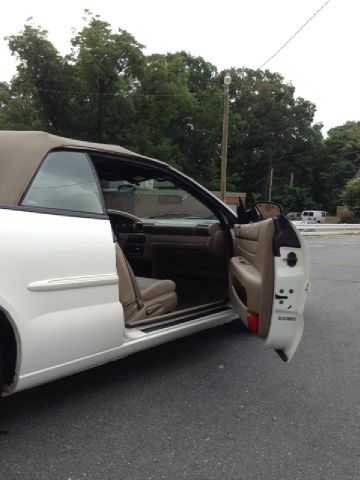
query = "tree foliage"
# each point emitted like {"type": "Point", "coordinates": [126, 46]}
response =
{"type": "Point", "coordinates": [351, 196]}
{"type": "Point", "coordinates": [170, 107]}
{"type": "Point", "coordinates": [339, 163]}
{"type": "Point", "coordinates": [41, 75]}
{"type": "Point", "coordinates": [106, 67]}
{"type": "Point", "coordinates": [270, 129]}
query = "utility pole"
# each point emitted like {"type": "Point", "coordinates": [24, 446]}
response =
{"type": "Point", "coordinates": [292, 179]}
{"type": "Point", "coordinates": [270, 183]}
{"type": "Point", "coordinates": [224, 144]}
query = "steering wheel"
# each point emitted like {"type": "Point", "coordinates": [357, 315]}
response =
{"type": "Point", "coordinates": [126, 215]}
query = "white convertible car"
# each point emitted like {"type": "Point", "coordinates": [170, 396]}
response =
{"type": "Point", "coordinates": [104, 252]}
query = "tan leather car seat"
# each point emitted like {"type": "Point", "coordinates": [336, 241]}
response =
{"type": "Point", "coordinates": [142, 298]}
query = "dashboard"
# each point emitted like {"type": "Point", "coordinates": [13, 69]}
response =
{"type": "Point", "coordinates": [175, 243]}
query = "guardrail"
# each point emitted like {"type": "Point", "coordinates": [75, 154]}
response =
{"type": "Point", "coordinates": [327, 228]}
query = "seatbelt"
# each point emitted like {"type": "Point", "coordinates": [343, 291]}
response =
{"type": "Point", "coordinates": [138, 298]}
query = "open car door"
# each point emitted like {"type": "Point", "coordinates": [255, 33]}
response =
{"type": "Point", "coordinates": [268, 281]}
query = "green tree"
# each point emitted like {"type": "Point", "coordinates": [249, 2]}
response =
{"type": "Point", "coordinates": [341, 159]}
{"type": "Point", "coordinates": [5, 97]}
{"type": "Point", "coordinates": [200, 139]}
{"type": "Point", "coordinates": [332, 179]}
{"type": "Point", "coordinates": [40, 86]}
{"type": "Point", "coordinates": [270, 128]}
{"type": "Point", "coordinates": [107, 67]}
{"type": "Point", "coordinates": [170, 107]}
{"type": "Point", "coordinates": [294, 199]}
{"type": "Point", "coordinates": [344, 141]}
{"type": "Point", "coordinates": [351, 196]}
{"type": "Point", "coordinates": [176, 101]}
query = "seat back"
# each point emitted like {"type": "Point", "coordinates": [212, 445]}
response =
{"type": "Point", "coordinates": [142, 301]}
{"type": "Point", "coordinates": [129, 292]}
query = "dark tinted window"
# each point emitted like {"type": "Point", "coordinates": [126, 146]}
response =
{"type": "Point", "coordinates": [65, 181]}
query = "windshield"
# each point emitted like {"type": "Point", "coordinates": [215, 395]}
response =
{"type": "Point", "coordinates": [154, 200]}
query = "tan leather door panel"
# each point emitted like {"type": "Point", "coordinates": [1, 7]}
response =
{"type": "Point", "coordinates": [251, 272]}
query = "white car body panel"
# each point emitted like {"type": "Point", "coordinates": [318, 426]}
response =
{"type": "Point", "coordinates": [133, 341]}
{"type": "Point", "coordinates": [287, 320]}
{"type": "Point", "coordinates": [59, 325]}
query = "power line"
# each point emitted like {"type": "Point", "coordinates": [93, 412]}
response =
{"type": "Point", "coordinates": [295, 34]}
{"type": "Point", "coordinates": [127, 94]}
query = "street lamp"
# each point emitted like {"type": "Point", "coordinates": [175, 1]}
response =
{"type": "Point", "coordinates": [224, 145]}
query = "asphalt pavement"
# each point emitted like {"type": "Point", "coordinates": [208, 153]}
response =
{"type": "Point", "coordinates": [216, 405]}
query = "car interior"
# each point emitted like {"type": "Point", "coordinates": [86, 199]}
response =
{"type": "Point", "coordinates": [176, 248]}
{"type": "Point", "coordinates": [171, 250]}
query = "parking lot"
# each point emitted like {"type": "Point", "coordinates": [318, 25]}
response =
{"type": "Point", "coordinates": [216, 405]}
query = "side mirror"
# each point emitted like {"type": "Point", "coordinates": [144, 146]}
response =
{"type": "Point", "coordinates": [268, 209]}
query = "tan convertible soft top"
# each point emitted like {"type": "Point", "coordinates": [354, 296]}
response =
{"type": "Point", "coordinates": [22, 152]}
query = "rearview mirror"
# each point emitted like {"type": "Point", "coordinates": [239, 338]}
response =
{"type": "Point", "coordinates": [268, 209]}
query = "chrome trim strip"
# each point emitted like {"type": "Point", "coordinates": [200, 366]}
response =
{"type": "Point", "coordinates": [68, 283]}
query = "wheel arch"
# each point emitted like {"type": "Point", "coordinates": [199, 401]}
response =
{"type": "Point", "coordinates": [10, 347]}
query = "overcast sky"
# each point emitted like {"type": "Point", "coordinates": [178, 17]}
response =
{"type": "Point", "coordinates": [322, 62]}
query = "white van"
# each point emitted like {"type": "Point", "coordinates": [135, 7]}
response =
{"type": "Point", "coordinates": [313, 216]}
